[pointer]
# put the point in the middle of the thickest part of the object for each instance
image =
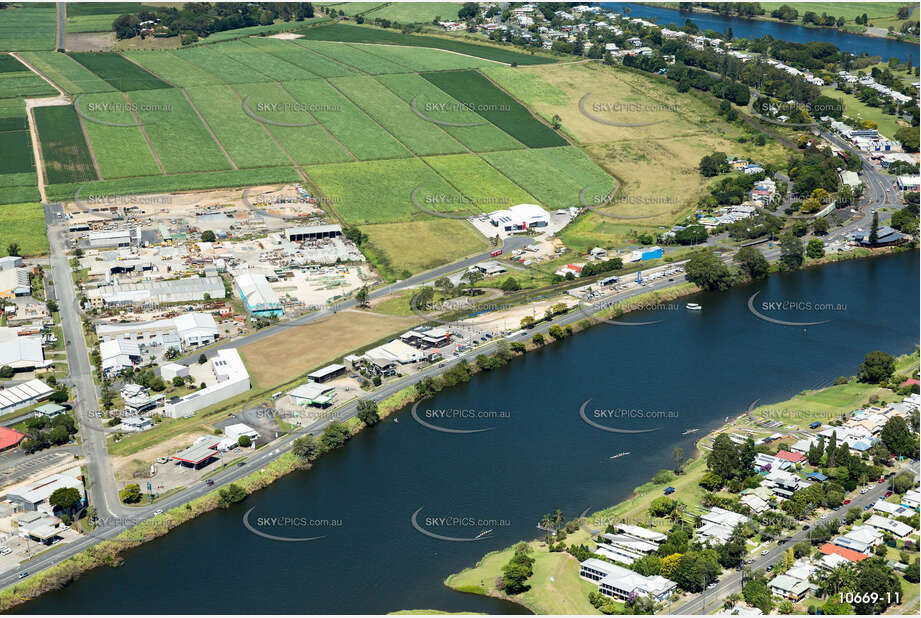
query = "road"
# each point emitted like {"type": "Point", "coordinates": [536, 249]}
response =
{"type": "Point", "coordinates": [709, 600]}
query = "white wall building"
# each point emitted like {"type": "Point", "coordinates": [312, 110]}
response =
{"type": "Point", "coordinates": [232, 380]}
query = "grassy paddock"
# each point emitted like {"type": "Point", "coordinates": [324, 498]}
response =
{"type": "Point", "coordinates": [23, 224]}
{"type": "Point", "coordinates": [64, 151]}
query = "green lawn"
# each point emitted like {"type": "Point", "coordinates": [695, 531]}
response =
{"type": "Point", "coordinates": [855, 108]}
{"type": "Point", "coordinates": [23, 224]}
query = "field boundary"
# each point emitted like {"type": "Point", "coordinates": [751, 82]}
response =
{"type": "Point", "coordinates": [39, 161]}
{"type": "Point", "coordinates": [153, 151]}
{"type": "Point", "coordinates": [207, 126]}
{"type": "Point", "coordinates": [328, 132]}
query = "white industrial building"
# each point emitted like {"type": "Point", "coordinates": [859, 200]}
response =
{"type": "Point", "coordinates": [23, 395]}
{"type": "Point", "coordinates": [34, 496]}
{"type": "Point", "coordinates": [188, 329]}
{"type": "Point", "coordinates": [118, 354]}
{"type": "Point", "coordinates": [151, 293]}
{"type": "Point", "coordinates": [236, 430]}
{"type": "Point", "coordinates": [520, 217]}
{"type": "Point", "coordinates": [21, 352]}
{"type": "Point", "coordinates": [112, 238]}
{"type": "Point", "coordinates": [14, 282]}
{"type": "Point", "coordinates": [232, 380]}
{"type": "Point", "coordinates": [173, 370]}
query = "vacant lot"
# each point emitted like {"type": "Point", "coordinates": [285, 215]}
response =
{"type": "Point", "coordinates": [64, 150]}
{"type": "Point", "coordinates": [66, 72]}
{"type": "Point", "coordinates": [367, 34]}
{"type": "Point", "coordinates": [23, 224]}
{"type": "Point", "coordinates": [496, 106]}
{"type": "Point", "coordinates": [118, 71]}
{"type": "Point", "coordinates": [379, 191]}
{"type": "Point", "coordinates": [27, 28]}
{"type": "Point", "coordinates": [294, 351]}
{"type": "Point", "coordinates": [415, 246]}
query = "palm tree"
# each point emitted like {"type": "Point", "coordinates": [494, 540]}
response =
{"type": "Point", "coordinates": [13, 249]}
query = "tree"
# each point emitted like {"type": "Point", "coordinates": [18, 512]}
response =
{"type": "Point", "coordinates": [65, 498]}
{"type": "Point", "coordinates": [13, 249]}
{"type": "Point", "coordinates": [367, 412]}
{"type": "Point", "coordinates": [6, 371]}
{"type": "Point", "coordinates": [815, 249]}
{"type": "Point", "coordinates": [231, 494]}
{"type": "Point", "coordinates": [516, 572]}
{"type": "Point", "coordinates": [723, 459]}
{"type": "Point", "coordinates": [130, 494]}
{"type": "Point", "coordinates": [708, 271]}
{"type": "Point", "coordinates": [791, 250]}
{"type": "Point", "coordinates": [202, 359]}
{"type": "Point", "coordinates": [911, 573]}
{"type": "Point", "coordinates": [898, 438]}
{"type": "Point", "coordinates": [527, 321]}
{"type": "Point", "coordinates": [472, 277]}
{"type": "Point", "coordinates": [361, 296]}
{"type": "Point", "coordinates": [335, 435]}
{"type": "Point", "coordinates": [60, 394]}
{"type": "Point", "coordinates": [208, 236]}
{"type": "Point", "coordinates": [306, 448]}
{"type": "Point", "coordinates": [876, 368]}
{"type": "Point", "coordinates": [678, 459]}
{"type": "Point", "coordinates": [901, 482]}
{"type": "Point", "coordinates": [752, 262]}
{"type": "Point", "coordinates": [510, 285]}
{"type": "Point", "coordinates": [178, 381]}
{"type": "Point", "coordinates": [756, 593]}
{"type": "Point", "coordinates": [908, 136]}
{"type": "Point", "coordinates": [820, 227]}
{"type": "Point", "coordinates": [714, 164]}
{"type": "Point", "coordinates": [537, 339]}
{"type": "Point", "coordinates": [244, 441]}
{"type": "Point", "coordinates": [874, 229]}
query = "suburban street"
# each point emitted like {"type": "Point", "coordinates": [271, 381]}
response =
{"type": "Point", "coordinates": [708, 600]}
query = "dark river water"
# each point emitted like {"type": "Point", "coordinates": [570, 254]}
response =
{"type": "Point", "coordinates": [688, 370]}
{"type": "Point", "coordinates": [754, 28]}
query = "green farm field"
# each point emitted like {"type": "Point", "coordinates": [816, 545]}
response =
{"type": "Point", "coordinates": [555, 176]}
{"type": "Point", "coordinates": [23, 224]}
{"type": "Point", "coordinates": [176, 132]}
{"type": "Point", "coordinates": [368, 34]}
{"type": "Point", "coordinates": [484, 187]}
{"type": "Point", "coordinates": [306, 144]}
{"type": "Point", "coordinates": [416, 12]}
{"type": "Point", "coordinates": [210, 59]}
{"type": "Point", "coordinates": [415, 246]}
{"type": "Point", "coordinates": [497, 107]}
{"type": "Point", "coordinates": [67, 73]}
{"type": "Point", "coordinates": [64, 150]}
{"type": "Point", "coordinates": [392, 112]}
{"type": "Point", "coordinates": [173, 68]}
{"type": "Point", "coordinates": [17, 169]}
{"type": "Point", "coordinates": [177, 182]}
{"type": "Point", "coordinates": [27, 27]}
{"type": "Point", "coordinates": [249, 143]}
{"type": "Point", "coordinates": [379, 191]}
{"type": "Point", "coordinates": [16, 80]}
{"type": "Point", "coordinates": [118, 71]}
{"type": "Point", "coordinates": [90, 23]}
{"type": "Point", "coordinates": [422, 59]}
{"type": "Point", "coordinates": [17, 152]}
{"type": "Point", "coordinates": [256, 62]}
{"type": "Point", "coordinates": [302, 57]}
{"type": "Point", "coordinates": [348, 123]}
{"type": "Point", "coordinates": [120, 146]}
{"type": "Point", "coordinates": [479, 136]}
{"type": "Point", "coordinates": [354, 57]}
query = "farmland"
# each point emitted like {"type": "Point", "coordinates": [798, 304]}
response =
{"type": "Point", "coordinates": [481, 184]}
{"type": "Point", "coordinates": [255, 61]}
{"type": "Point", "coordinates": [496, 106]}
{"type": "Point", "coordinates": [366, 34]}
{"type": "Point", "coordinates": [123, 74]}
{"type": "Point", "coordinates": [421, 59]}
{"type": "Point", "coordinates": [27, 28]}
{"type": "Point", "coordinates": [223, 67]}
{"type": "Point", "coordinates": [394, 114]}
{"type": "Point", "coordinates": [302, 57]}
{"type": "Point", "coordinates": [16, 80]}
{"type": "Point", "coordinates": [248, 143]}
{"type": "Point", "coordinates": [17, 152]}
{"type": "Point", "coordinates": [174, 68]}
{"type": "Point", "coordinates": [120, 147]}
{"type": "Point", "coordinates": [435, 104]}
{"type": "Point", "coordinates": [64, 150]}
{"type": "Point", "coordinates": [66, 72]}
{"type": "Point", "coordinates": [23, 224]}
{"type": "Point", "coordinates": [417, 12]}
{"type": "Point", "coordinates": [17, 169]}
{"type": "Point", "coordinates": [555, 176]}
{"type": "Point", "coordinates": [363, 137]}
{"type": "Point", "coordinates": [379, 191]}
{"type": "Point", "coordinates": [308, 143]}
{"type": "Point", "coordinates": [354, 57]}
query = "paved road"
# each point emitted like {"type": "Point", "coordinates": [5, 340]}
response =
{"type": "Point", "coordinates": [709, 600]}
{"type": "Point", "coordinates": [511, 243]}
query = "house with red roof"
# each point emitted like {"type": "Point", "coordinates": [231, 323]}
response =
{"type": "Point", "coordinates": [791, 457]}
{"type": "Point", "coordinates": [849, 554]}
{"type": "Point", "coordinates": [910, 382]}
{"type": "Point", "coordinates": [9, 438]}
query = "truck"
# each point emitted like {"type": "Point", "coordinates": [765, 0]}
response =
{"type": "Point", "coordinates": [496, 253]}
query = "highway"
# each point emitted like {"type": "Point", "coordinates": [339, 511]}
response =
{"type": "Point", "coordinates": [708, 600]}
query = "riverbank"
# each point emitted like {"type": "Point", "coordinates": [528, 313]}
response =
{"type": "Point", "coordinates": [555, 587]}
{"type": "Point", "coordinates": [398, 401]}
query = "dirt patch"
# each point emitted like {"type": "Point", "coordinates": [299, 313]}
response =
{"type": "Point", "coordinates": [89, 41]}
{"type": "Point", "coordinates": [150, 42]}
{"type": "Point", "coordinates": [125, 467]}
{"type": "Point", "coordinates": [296, 350]}
{"type": "Point", "coordinates": [285, 35]}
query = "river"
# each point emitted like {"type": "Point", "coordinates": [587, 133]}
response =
{"type": "Point", "coordinates": [688, 370]}
{"type": "Point", "coordinates": [755, 28]}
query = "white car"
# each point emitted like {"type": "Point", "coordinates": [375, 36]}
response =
{"type": "Point", "coordinates": [764, 552]}
{"type": "Point", "coordinates": [5, 551]}
{"type": "Point", "coordinates": [824, 516]}
{"type": "Point", "coordinates": [864, 490]}
{"type": "Point", "coordinates": [158, 512]}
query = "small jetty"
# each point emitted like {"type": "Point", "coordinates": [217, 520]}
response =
{"type": "Point", "coordinates": [619, 455]}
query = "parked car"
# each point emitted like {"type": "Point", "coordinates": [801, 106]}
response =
{"type": "Point", "coordinates": [764, 552]}
{"type": "Point", "coordinates": [848, 501]}
{"type": "Point", "coordinates": [806, 527]}
{"type": "Point", "coordinates": [209, 482]}
{"type": "Point", "coordinates": [158, 512]}
{"type": "Point", "coordinates": [882, 479]}
{"type": "Point", "coordinates": [864, 490]}
{"type": "Point", "coordinates": [769, 568]}
{"type": "Point", "coordinates": [5, 551]}
{"type": "Point", "coordinates": [23, 574]}
{"type": "Point", "coordinates": [888, 493]}
{"type": "Point", "coordinates": [669, 490]}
